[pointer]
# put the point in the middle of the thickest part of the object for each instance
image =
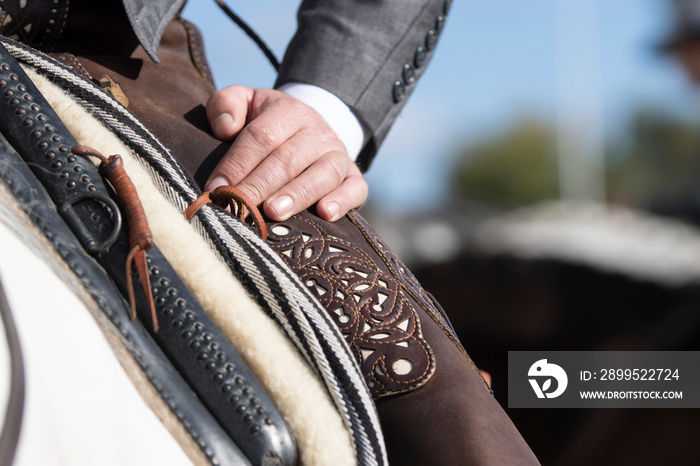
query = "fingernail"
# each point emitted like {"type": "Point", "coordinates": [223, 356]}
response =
{"type": "Point", "coordinates": [282, 205]}
{"type": "Point", "coordinates": [215, 183]}
{"type": "Point", "coordinates": [222, 123]}
{"type": "Point", "coordinates": [334, 210]}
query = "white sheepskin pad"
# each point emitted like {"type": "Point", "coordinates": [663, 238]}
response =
{"type": "Point", "coordinates": [298, 392]}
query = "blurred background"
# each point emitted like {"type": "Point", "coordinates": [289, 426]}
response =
{"type": "Point", "coordinates": [544, 183]}
{"type": "Point", "coordinates": [511, 85]}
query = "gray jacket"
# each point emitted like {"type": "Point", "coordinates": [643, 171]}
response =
{"type": "Point", "coordinates": [368, 53]}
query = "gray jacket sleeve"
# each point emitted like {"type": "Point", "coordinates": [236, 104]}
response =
{"type": "Point", "coordinates": [369, 53]}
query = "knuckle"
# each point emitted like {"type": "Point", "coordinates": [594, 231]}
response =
{"type": "Point", "coordinates": [302, 193]}
{"type": "Point", "coordinates": [334, 168]}
{"type": "Point", "coordinates": [232, 168]}
{"type": "Point", "coordinates": [327, 134]}
{"type": "Point", "coordinates": [255, 189]}
{"type": "Point", "coordinates": [289, 159]}
{"type": "Point", "coordinates": [298, 107]}
{"type": "Point", "coordinates": [264, 135]}
{"type": "Point", "coordinates": [362, 188]}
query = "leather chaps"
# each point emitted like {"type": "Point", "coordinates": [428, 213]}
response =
{"type": "Point", "coordinates": [434, 406]}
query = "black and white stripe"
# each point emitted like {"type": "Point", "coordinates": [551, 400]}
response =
{"type": "Point", "coordinates": [275, 287]}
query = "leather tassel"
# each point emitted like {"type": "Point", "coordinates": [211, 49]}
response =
{"type": "Point", "coordinates": [138, 255]}
{"type": "Point", "coordinates": [140, 237]}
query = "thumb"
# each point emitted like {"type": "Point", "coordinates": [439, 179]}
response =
{"type": "Point", "coordinates": [227, 110]}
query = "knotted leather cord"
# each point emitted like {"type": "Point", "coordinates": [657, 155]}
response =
{"type": "Point", "coordinates": [240, 204]}
{"type": "Point", "coordinates": [140, 236]}
{"type": "Point", "coordinates": [262, 270]}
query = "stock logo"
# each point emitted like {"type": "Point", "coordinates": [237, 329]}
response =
{"type": "Point", "coordinates": [542, 373]}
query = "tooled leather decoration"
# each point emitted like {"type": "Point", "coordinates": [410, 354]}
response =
{"type": "Point", "coordinates": [38, 24]}
{"type": "Point", "coordinates": [406, 278]}
{"type": "Point", "coordinates": [369, 306]}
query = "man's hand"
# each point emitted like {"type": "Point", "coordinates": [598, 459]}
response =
{"type": "Point", "coordinates": [284, 156]}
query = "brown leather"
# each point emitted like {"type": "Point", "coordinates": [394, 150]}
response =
{"type": "Point", "coordinates": [140, 236]}
{"type": "Point", "coordinates": [375, 313]}
{"type": "Point", "coordinates": [39, 24]}
{"type": "Point", "coordinates": [238, 203]}
{"type": "Point", "coordinates": [169, 98]}
{"type": "Point", "coordinates": [445, 414]}
{"type": "Point", "coordinates": [441, 411]}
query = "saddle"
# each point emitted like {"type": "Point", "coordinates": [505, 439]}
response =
{"type": "Point", "coordinates": [315, 345]}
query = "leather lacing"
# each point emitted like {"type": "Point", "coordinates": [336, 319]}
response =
{"type": "Point", "coordinates": [228, 196]}
{"type": "Point", "coordinates": [140, 236]}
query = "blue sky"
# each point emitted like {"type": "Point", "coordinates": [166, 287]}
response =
{"type": "Point", "coordinates": [591, 60]}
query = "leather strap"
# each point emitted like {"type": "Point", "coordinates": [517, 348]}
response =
{"type": "Point", "coordinates": [29, 123]}
{"type": "Point", "coordinates": [189, 339]}
{"type": "Point", "coordinates": [239, 204]}
{"type": "Point", "coordinates": [31, 197]}
{"type": "Point", "coordinates": [260, 270]}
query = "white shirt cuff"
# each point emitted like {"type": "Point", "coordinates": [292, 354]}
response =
{"type": "Point", "coordinates": [336, 113]}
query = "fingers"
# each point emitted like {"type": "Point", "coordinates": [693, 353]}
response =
{"type": "Point", "coordinates": [227, 110]}
{"type": "Point", "coordinates": [351, 194]}
{"type": "Point", "coordinates": [299, 153]}
{"type": "Point", "coordinates": [284, 155]}
{"type": "Point", "coordinates": [272, 120]}
{"type": "Point", "coordinates": [303, 191]}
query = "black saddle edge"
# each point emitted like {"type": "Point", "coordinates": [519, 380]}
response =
{"type": "Point", "coordinates": [191, 341]}
{"type": "Point", "coordinates": [303, 318]}
{"type": "Point", "coordinates": [33, 200]}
